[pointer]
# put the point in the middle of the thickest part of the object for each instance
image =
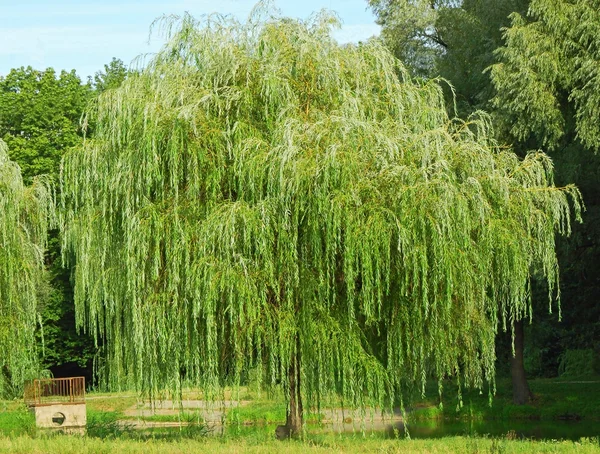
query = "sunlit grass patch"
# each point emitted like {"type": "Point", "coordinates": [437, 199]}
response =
{"type": "Point", "coordinates": [16, 420]}
{"type": "Point", "coordinates": [333, 444]}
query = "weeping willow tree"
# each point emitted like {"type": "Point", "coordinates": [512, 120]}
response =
{"type": "Point", "coordinates": [260, 197]}
{"type": "Point", "coordinates": [25, 213]}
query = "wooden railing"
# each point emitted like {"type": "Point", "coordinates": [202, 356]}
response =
{"type": "Point", "coordinates": [48, 391]}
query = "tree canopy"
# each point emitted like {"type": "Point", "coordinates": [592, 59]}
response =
{"type": "Point", "coordinates": [549, 62]}
{"type": "Point", "coordinates": [39, 117]}
{"type": "Point", "coordinates": [409, 29]}
{"type": "Point", "coordinates": [260, 196]}
{"type": "Point", "coordinates": [25, 213]}
{"type": "Point", "coordinates": [113, 75]}
{"type": "Point", "coordinates": [452, 39]}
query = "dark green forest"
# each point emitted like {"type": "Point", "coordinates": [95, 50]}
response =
{"type": "Point", "coordinates": [529, 70]}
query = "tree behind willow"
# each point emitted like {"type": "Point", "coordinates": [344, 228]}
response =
{"type": "Point", "coordinates": [546, 82]}
{"type": "Point", "coordinates": [261, 197]}
{"type": "Point", "coordinates": [547, 76]}
{"type": "Point", "coordinates": [24, 218]}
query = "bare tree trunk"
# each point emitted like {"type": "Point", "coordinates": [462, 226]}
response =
{"type": "Point", "coordinates": [295, 413]}
{"type": "Point", "coordinates": [521, 391]}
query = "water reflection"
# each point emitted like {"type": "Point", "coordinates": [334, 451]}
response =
{"type": "Point", "coordinates": [537, 430]}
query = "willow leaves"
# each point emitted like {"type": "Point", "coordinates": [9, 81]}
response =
{"type": "Point", "coordinates": [25, 214]}
{"type": "Point", "coordinates": [259, 193]}
{"type": "Point", "coordinates": [550, 59]}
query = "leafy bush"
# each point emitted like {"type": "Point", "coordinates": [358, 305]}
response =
{"type": "Point", "coordinates": [579, 363]}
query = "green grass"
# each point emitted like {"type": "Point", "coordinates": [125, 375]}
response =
{"type": "Point", "coordinates": [322, 444]}
{"type": "Point", "coordinates": [259, 412]}
{"type": "Point", "coordinates": [106, 425]}
{"type": "Point", "coordinates": [112, 426]}
{"type": "Point", "coordinates": [111, 402]}
{"type": "Point", "coordinates": [16, 420]}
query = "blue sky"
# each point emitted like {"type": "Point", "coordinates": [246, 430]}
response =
{"type": "Point", "coordinates": [84, 34]}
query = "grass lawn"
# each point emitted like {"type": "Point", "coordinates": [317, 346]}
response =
{"type": "Point", "coordinates": [81, 445]}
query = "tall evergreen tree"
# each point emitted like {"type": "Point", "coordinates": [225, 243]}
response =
{"type": "Point", "coordinates": [260, 196]}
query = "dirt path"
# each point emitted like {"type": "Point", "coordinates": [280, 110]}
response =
{"type": "Point", "coordinates": [214, 413]}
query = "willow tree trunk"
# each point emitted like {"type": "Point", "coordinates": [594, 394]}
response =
{"type": "Point", "coordinates": [521, 391]}
{"type": "Point", "coordinates": [295, 412]}
{"type": "Point", "coordinates": [294, 417]}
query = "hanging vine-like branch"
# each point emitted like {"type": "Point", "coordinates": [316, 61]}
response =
{"type": "Point", "coordinates": [25, 215]}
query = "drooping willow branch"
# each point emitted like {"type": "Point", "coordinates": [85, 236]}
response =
{"type": "Point", "coordinates": [258, 183]}
{"type": "Point", "coordinates": [25, 215]}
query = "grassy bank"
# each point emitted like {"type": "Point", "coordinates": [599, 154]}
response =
{"type": "Point", "coordinates": [112, 420]}
{"type": "Point", "coordinates": [325, 444]}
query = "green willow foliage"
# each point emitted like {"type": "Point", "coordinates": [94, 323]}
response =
{"type": "Point", "coordinates": [549, 61]}
{"type": "Point", "coordinates": [259, 192]}
{"type": "Point", "coordinates": [25, 214]}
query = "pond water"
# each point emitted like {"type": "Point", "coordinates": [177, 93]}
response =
{"type": "Point", "coordinates": [521, 429]}
{"type": "Point", "coordinates": [537, 430]}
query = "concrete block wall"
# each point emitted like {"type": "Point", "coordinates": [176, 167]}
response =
{"type": "Point", "coordinates": [51, 417]}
